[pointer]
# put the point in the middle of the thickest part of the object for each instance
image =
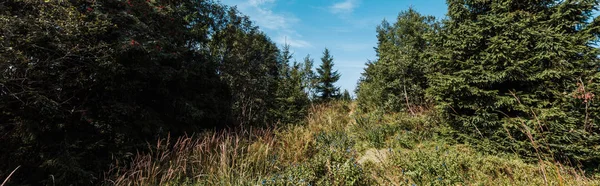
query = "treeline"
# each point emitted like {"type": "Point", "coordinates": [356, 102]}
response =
{"type": "Point", "coordinates": [517, 76]}
{"type": "Point", "coordinates": [84, 84]}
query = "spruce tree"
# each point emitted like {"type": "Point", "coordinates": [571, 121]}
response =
{"type": "Point", "coordinates": [518, 72]}
{"type": "Point", "coordinates": [396, 80]}
{"type": "Point", "coordinates": [326, 78]}
{"type": "Point", "coordinates": [291, 102]}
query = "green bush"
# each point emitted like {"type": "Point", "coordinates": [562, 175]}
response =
{"type": "Point", "coordinates": [375, 135]}
{"type": "Point", "coordinates": [333, 164]}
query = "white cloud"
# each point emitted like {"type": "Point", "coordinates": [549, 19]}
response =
{"type": "Point", "coordinates": [278, 25]}
{"type": "Point", "coordinates": [259, 2]}
{"type": "Point", "coordinates": [297, 43]}
{"type": "Point", "coordinates": [346, 6]}
{"type": "Point", "coordinates": [269, 20]}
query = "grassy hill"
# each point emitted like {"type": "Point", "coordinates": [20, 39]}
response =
{"type": "Point", "coordinates": [338, 146]}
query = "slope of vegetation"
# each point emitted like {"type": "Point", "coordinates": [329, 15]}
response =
{"type": "Point", "coordinates": [338, 146]}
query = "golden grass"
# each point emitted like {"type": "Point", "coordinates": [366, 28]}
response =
{"type": "Point", "coordinates": [416, 153]}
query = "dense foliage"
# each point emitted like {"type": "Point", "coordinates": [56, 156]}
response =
{"type": "Point", "coordinates": [522, 73]}
{"type": "Point", "coordinates": [291, 98]}
{"type": "Point", "coordinates": [516, 76]}
{"type": "Point", "coordinates": [87, 83]}
{"type": "Point", "coordinates": [396, 80]}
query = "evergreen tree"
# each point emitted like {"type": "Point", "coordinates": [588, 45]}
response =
{"type": "Point", "coordinates": [518, 72]}
{"type": "Point", "coordinates": [87, 83]}
{"type": "Point", "coordinates": [397, 80]}
{"type": "Point", "coordinates": [326, 78]}
{"type": "Point", "coordinates": [300, 98]}
{"type": "Point", "coordinates": [291, 102]}
{"type": "Point", "coordinates": [346, 96]}
{"type": "Point", "coordinates": [309, 79]}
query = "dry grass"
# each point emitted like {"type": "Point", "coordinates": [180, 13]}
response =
{"type": "Point", "coordinates": [317, 153]}
{"type": "Point", "coordinates": [212, 158]}
{"type": "Point", "coordinates": [9, 175]}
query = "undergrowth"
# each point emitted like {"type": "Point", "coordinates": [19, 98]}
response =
{"type": "Point", "coordinates": [337, 146]}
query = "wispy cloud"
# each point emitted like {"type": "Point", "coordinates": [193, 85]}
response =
{"type": "Point", "coordinates": [284, 39]}
{"type": "Point", "coordinates": [259, 2]}
{"type": "Point", "coordinates": [281, 24]}
{"type": "Point", "coordinates": [261, 14]}
{"type": "Point", "coordinates": [344, 7]}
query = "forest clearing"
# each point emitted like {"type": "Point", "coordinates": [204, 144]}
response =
{"type": "Point", "coordinates": [196, 92]}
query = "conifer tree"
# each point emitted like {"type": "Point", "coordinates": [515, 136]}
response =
{"type": "Point", "coordinates": [309, 79]}
{"type": "Point", "coordinates": [291, 101]}
{"type": "Point", "coordinates": [396, 80]}
{"type": "Point", "coordinates": [346, 96]}
{"type": "Point", "coordinates": [326, 78]}
{"type": "Point", "coordinates": [516, 71]}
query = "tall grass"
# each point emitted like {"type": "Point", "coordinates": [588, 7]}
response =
{"type": "Point", "coordinates": [9, 175]}
{"type": "Point", "coordinates": [231, 158]}
{"type": "Point", "coordinates": [336, 146]}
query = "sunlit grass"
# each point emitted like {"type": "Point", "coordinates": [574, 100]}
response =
{"type": "Point", "coordinates": [337, 146]}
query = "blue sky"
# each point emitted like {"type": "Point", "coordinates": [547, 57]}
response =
{"type": "Point", "coordinates": [345, 27]}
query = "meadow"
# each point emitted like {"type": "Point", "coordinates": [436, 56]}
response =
{"type": "Point", "coordinates": [339, 146]}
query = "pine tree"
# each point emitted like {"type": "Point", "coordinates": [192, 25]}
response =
{"type": "Point", "coordinates": [326, 78]}
{"type": "Point", "coordinates": [507, 69]}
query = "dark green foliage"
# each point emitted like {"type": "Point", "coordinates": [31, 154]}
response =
{"type": "Point", "coordinates": [291, 104]}
{"type": "Point", "coordinates": [247, 61]}
{"type": "Point", "coordinates": [520, 76]}
{"type": "Point", "coordinates": [326, 78]}
{"type": "Point", "coordinates": [84, 84]}
{"type": "Point", "coordinates": [397, 80]}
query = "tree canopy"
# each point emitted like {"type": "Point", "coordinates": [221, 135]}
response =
{"type": "Point", "coordinates": [505, 75]}
{"type": "Point", "coordinates": [88, 83]}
